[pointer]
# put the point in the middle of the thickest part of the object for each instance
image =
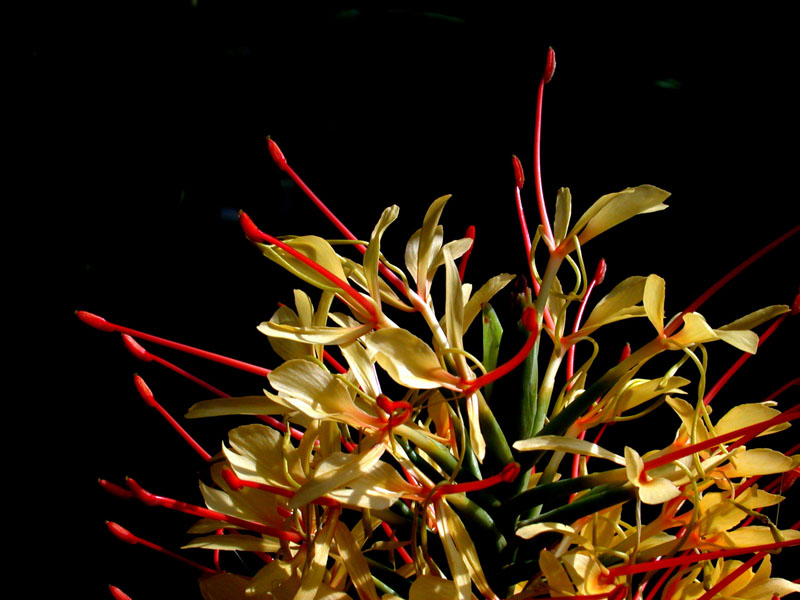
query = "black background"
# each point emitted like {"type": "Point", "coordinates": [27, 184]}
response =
{"type": "Point", "coordinates": [144, 132]}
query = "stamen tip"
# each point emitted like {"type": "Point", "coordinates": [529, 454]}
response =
{"type": "Point", "coordinates": [519, 174]}
{"type": "Point", "coordinates": [600, 272]}
{"type": "Point", "coordinates": [136, 348]}
{"type": "Point", "coordinates": [550, 65]}
{"type": "Point", "coordinates": [250, 230]}
{"type": "Point", "coordinates": [121, 533]}
{"type": "Point", "coordinates": [93, 320]}
{"type": "Point", "coordinates": [277, 154]}
{"type": "Point", "coordinates": [117, 593]}
{"type": "Point", "coordinates": [144, 391]}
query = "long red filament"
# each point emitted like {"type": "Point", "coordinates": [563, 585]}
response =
{"type": "Point", "coordinates": [139, 352]}
{"type": "Point", "coordinates": [100, 323]}
{"type": "Point", "coordinates": [509, 473]}
{"type": "Point", "coordinates": [255, 234]}
{"type": "Point", "coordinates": [741, 360]}
{"type": "Point", "coordinates": [200, 511]}
{"type": "Point", "coordinates": [282, 163]}
{"type": "Point", "coordinates": [126, 536]}
{"type": "Point", "coordinates": [745, 433]}
{"type": "Point", "coordinates": [722, 583]}
{"type": "Point", "coordinates": [463, 266]}
{"type": "Point", "coordinates": [547, 233]}
{"type": "Point", "coordinates": [391, 535]}
{"type": "Point", "coordinates": [236, 483]}
{"type": "Point", "coordinates": [117, 593]}
{"type": "Point", "coordinates": [651, 565]}
{"type": "Point", "coordinates": [150, 400]}
{"type": "Point", "coordinates": [672, 327]}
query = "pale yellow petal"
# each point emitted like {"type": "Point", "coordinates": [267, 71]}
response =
{"type": "Point", "coordinates": [287, 349]}
{"type": "Point", "coordinates": [408, 360]}
{"type": "Point", "coordinates": [613, 209]}
{"type": "Point", "coordinates": [233, 541]}
{"type": "Point", "coordinates": [313, 391]}
{"type": "Point", "coordinates": [695, 330]}
{"type": "Point", "coordinates": [744, 415]}
{"type": "Point", "coordinates": [658, 490]}
{"type": "Point", "coordinates": [746, 341]}
{"type": "Point", "coordinates": [314, 335]}
{"type": "Point", "coordinates": [454, 303]}
{"type": "Point", "coordinates": [557, 579]}
{"type": "Point", "coordinates": [314, 248]}
{"type": "Point", "coordinates": [355, 563]}
{"type": "Point", "coordinates": [756, 318]}
{"type": "Point", "coordinates": [567, 444]}
{"type": "Point", "coordinates": [455, 561]}
{"type": "Point", "coordinates": [313, 573]}
{"type": "Point", "coordinates": [758, 461]}
{"type": "Point", "coordinates": [372, 255]}
{"type": "Point", "coordinates": [530, 531]}
{"type": "Point", "coordinates": [245, 405]}
{"type": "Point", "coordinates": [654, 301]}
{"type": "Point", "coordinates": [563, 212]}
{"type": "Point", "coordinates": [619, 303]}
{"type": "Point", "coordinates": [428, 587]}
{"type": "Point", "coordinates": [486, 292]}
{"type": "Point", "coordinates": [638, 394]}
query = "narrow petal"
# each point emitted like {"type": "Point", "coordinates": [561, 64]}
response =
{"type": "Point", "coordinates": [654, 301]}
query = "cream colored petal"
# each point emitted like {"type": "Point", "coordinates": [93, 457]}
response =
{"type": "Point", "coordinates": [428, 587]}
{"type": "Point", "coordinates": [457, 249]}
{"type": "Point", "coordinates": [313, 391]}
{"type": "Point", "coordinates": [744, 415]}
{"type": "Point", "coordinates": [336, 471]}
{"type": "Point", "coordinates": [408, 360]}
{"type": "Point", "coordinates": [758, 461]}
{"type": "Point", "coordinates": [246, 543]}
{"type": "Point", "coordinates": [563, 212]}
{"type": "Point", "coordinates": [557, 579]}
{"type": "Point", "coordinates": [314, 335]}
{"type": "Point", "coordinates": [224, 586]}
{"type": "Point", "coordinates": [287, 349]}
{"type": "Point", "coordinates": [658, 490]}
{"type": "Point", "coordinates": [377, 488]}
{"type": "Point", "coordinates": [454, 302]}
{"type": "Point", "coordinates": [746, 341]}
{"type": "Point", "coordinates": [355, 273]}
{"type": "Point", "coordinates": [567, 444]}
{"type": "Point", "coordinates": [756, 318]}
{"type": "Point", "coordinates": [638, 394]}
{"type": "Point", "coordinates": [476, 440]}
{"type": "Point", "coordinates": [372, 255]}
{"type": "Point", "coordinates": [362, 368]}
{"type": "Point", "coordinates": [257, 454]}
{"type": "Point", "coordinates": [695, 330]}
{"type": "Point", "coordinates": [619, 301]}
{"type": "Point", "coordinates": [428, 243]}
{"type": "Point", "coordinates": [314, 248]}
{"type": "Point", "coordinates": [769, 589]}
{"type": "Point", "coordinates": [355, 563]}
{"type": "Point", "coordinates": [486, 292]}
{"type": "Point", "coordinates": [455, 561]}
{"type": "Point", "coordinates": [530, 531]}
{"type": "Point", "coordinates": [654, 301]}
{"type": "Point", "coordinates": [315, 571]}
{"type": "Point", "coordinates": [245, 405]}
{"type": "Point", "coordinates": [756, 535]}
{"type": "Point", "coordinates": [686, 412]}
{"type": "Point", "coordinates": [412, 254]}
{"type": "Point", "coordinates": [613, 209]}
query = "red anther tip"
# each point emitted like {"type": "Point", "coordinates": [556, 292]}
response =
{"type": "Point", "coordinates": [276, 154]}
{"type": "Point", "coordinates": [600, 272]}
{"type": "Point", "coordinates": [141, 494]}
{"type": "Point", "coordinates": [550, 65]}
{"type": "Point", "coordinates": [626, 352]}
{"type": "Point", "coordinates": [121, 533]}
{"type": "Point", "coordinates": [233, 480]}
{"type": "Point", "coordinates": [93, 320]}
{"type": "Point", "coordinates": [144, 390]}
{"type": "Point", "coordinates": [796, 305]}
{"type": "Point", "coordinates": [250, 230]}
{"type": "Point", "coordinates": [118, 593]}
{"type": "Point", "coordinates": [136, 348]}
{"type": "Point", "coordinates": [529, 319]}
{"type": "Point", "coordinates": [470, 232]}
{"type": "Point", "coordinates": [113, 488]}
{"type": "Point", "coordinates": [519, 174]}
{"type": "Point", "coordinates": [510, 472]}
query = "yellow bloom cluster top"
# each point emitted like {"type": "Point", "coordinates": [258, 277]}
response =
{"type": "Point", "coordinates": [393, 463]}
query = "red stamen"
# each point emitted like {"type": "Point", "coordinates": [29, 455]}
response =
{"type": "Point", "coordinates": [236, 483]}
{"type": "Point", "coordinates": [126, 536]}
{"type": "Point", "coordinates": [529, 320]}
{"type": "Point", "coordinates": [401, 551]}
{"type": "Point", "coordinates": [508, 474]}
{"type": "Point", "coordinates": [103, 325]}
{"type": "Point", "coordinates": [653, 565]}
{"type": "Point", "coordinates": [722, 583]}
{"type": "Point", "coordinates": [150, 399]}
{"type": "Point", "coordinates": [280, 160]}
{"type": "Point", "coordinates": [672, 327]}
{"type": "Point", "coordinates": [389, 407]}
{"type": "Point", "coordinates": [117, 593]}
{"type": "Point", "coordinates": [626, 352]}
{"type": "Point", "coordinates": [116, 490]}
{"type": "Point", "coordinates": [742, 359]}
{"type": "Point", "coordinates": [745, 434]}
{"type": "Point", "coordinates": [334, 363]}
{"type": "Point", "coordinates": [199, 511]}
{"type": "Point", "coordinates": [547, 233]}
{"type": "Point", "coordinates": [599, 276]}
{"type": "Point", "coordinates": [256, 235]}
{"type": "Point", "coordinates": [463, 266]}
{"type": "Point", "coordinates": [139, 352]}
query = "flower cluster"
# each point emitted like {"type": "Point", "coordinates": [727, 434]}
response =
{"type": "Point", "coordinates": [392, 463]}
